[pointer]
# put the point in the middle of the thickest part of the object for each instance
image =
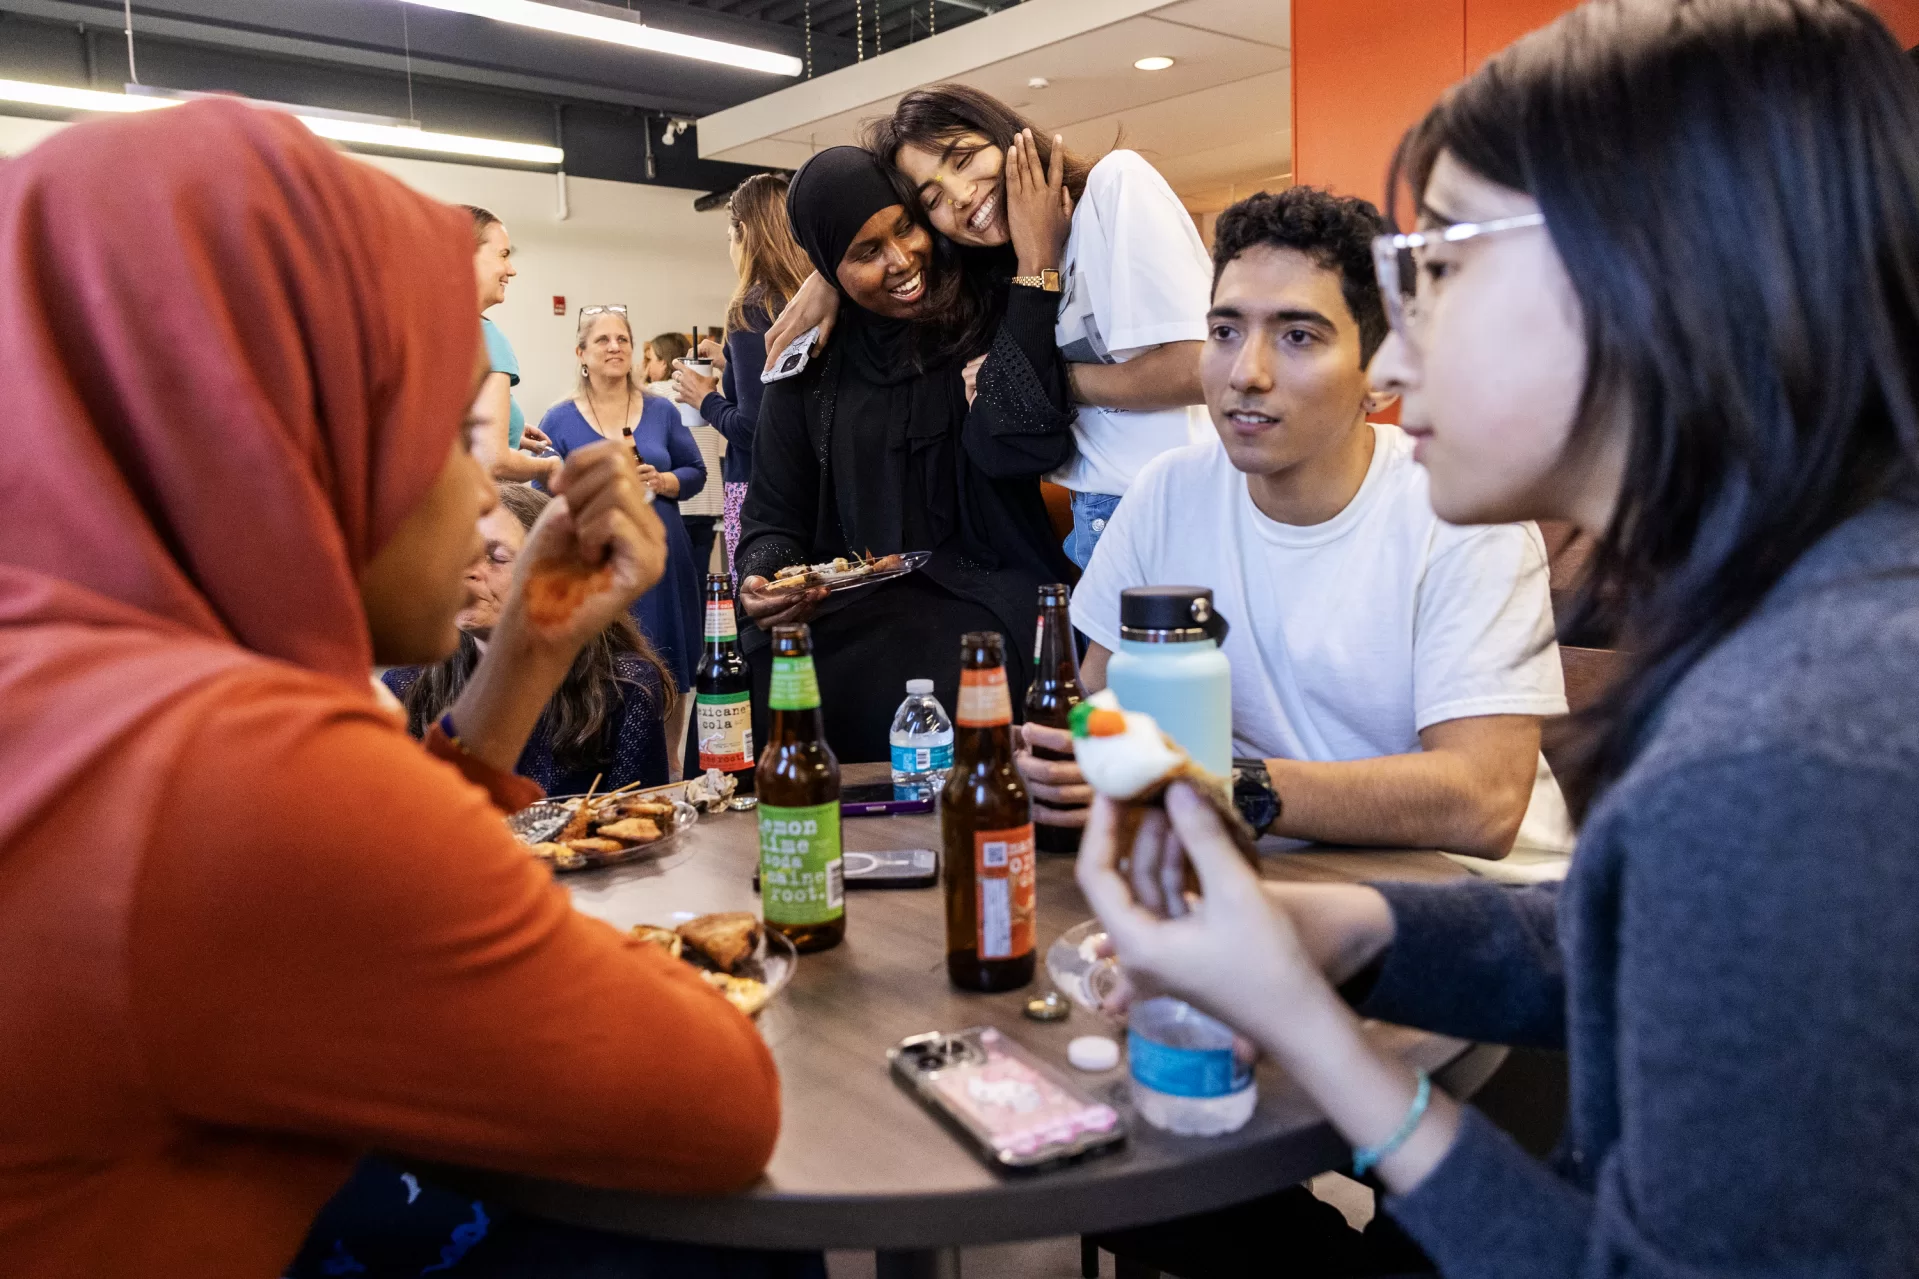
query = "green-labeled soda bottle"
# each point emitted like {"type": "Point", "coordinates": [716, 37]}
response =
{"type": "Point", "coordinates": [802, 880]}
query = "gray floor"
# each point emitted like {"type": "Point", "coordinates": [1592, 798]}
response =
{"type": "Point", "coordinates": [1059, 1258]}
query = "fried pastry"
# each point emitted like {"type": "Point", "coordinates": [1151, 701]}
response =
{"type": "Point", "coordinates": [665, 938]}
{"type": "Point", "coordinates": [744, 993]}
{"type": "Point", "coordinates": [630, 830]}
{"type": "Point", "coordinates": [552, 852]}
{"type": "Point", "coordinates": [594, 845]}
{"type": "Point", "coordinates": [726, 940]}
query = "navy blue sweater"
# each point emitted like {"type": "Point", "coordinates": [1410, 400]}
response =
{"type": "Point", "coordinates": [734, 409]}
{"type": "Point", "coordinates": [1732, 966]}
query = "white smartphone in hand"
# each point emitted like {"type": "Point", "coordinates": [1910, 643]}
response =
{"type": "Point", "coordinates": [793, 358]}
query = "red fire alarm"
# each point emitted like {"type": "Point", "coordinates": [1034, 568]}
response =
{"type": "Point", "coordinates": [559, 304]}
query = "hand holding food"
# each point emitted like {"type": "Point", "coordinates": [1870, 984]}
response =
{"type": "Point", "coordinates": [594, 551]}
{"type": "Point", "coordinates": [1231, 950]}
{"type": "Point", "coordinates": [769, 608]}
{"type": "Point", "coordinates": [1125, 758]}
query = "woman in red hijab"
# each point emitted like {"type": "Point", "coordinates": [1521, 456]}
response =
{"type": "Point", "coordinates": [249, 928]}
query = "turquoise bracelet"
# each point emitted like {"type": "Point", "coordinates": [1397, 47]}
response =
{"type": "Point", "coordinates": [1366, 1158]}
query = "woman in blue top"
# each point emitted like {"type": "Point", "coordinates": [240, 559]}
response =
{"type": "Point", "coordinates": [609, 404]}
{"type": "Point", "coordinates": [771, 268]}
{"type": "Point", "coordinates": [503, 425]}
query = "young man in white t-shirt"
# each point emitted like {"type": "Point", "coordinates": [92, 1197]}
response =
{"type": "Point", "coordinates": [1388, 668]}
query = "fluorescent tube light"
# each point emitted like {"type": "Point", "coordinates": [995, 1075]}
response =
{"type": "Point", "coordinates": [634, 35]}
{"type": "Point", "coordinates": [65, 99]}
{"type": "Point", "coordinates": [401, 138]}
{"type": "Point", "coordinates": [364, 132]}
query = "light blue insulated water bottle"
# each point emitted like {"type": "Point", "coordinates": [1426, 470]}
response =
{"type": "Point", "coordinates": [1169, 666]}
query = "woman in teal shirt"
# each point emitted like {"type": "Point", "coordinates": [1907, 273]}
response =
{"type": "Point", "coordinates": [496, 407]}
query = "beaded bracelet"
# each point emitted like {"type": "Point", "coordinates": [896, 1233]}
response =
{"type": "Point", "coordinates": [1366, 1158]}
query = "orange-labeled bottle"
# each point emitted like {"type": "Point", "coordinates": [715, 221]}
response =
{"type": "Point", "coordinates": [986, 824]}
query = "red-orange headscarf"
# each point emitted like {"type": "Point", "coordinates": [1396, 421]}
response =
{"type": "Point", "coordinates": [231, 361]}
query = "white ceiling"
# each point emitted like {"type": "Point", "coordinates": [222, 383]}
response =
{"type": "Point", "coordinates": [1217, 123]}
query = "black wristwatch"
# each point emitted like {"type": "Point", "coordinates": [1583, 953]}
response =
{"type": "Point", "coordinates": [1253, 794]}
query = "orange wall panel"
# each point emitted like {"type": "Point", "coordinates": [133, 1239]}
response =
{"type": "Point", "coordinates": [1491, 25]}
{"type": "Point", "coordinates": [1902, 16]}
{"type": "Point", "coordinates": [1364, 71]}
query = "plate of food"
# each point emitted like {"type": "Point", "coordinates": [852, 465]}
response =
{"type": "Point", "coordinates": [738, 956]}
{"type": "Point", "coordinates": [843, 574]}
{"type": "Point", "coordinates": [584, 832]}
{"type": "Point", "coordinates": [1079, 971]}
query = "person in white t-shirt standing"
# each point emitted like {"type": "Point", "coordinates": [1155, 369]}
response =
{"type": "Point", "coordinates": [1133, 285]}
{"type": "Point", "coordinates": [1389, 670]}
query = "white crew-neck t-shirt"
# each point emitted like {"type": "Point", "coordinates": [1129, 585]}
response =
{"type": "Point", "coordinates": [1135, 275]}
{"type": "Point", "coordinates": [1348, 637]}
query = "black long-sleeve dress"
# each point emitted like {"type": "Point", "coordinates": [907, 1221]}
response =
{"type": "Point", "coordinates": [865, 452]}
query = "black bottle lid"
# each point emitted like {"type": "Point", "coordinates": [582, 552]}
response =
{"type": "Point", "coordinates": [1170, 615]}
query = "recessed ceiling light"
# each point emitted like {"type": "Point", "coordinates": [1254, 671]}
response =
{"type": "Point", "coordinates": [1153, 64]}
{"type": "Point", "coordinates": [617, 30]}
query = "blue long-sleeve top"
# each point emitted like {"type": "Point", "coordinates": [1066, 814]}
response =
{"type": "Point", "coordinates": [1732, 966]}
{"type": "Point", "coordinates": [660, 439]}
{"type": "Point", "coordinates": [734, 409]}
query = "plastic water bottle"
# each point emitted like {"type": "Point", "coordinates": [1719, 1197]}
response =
{"type": "Point", "coordinates": [1187, 1078]}
{"type": "Point", "coordinates": [922, 741]}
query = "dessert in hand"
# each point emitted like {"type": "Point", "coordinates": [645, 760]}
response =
{"type": "Point", "coordinates": [1122, 753]}
{"type": "Point", "coordinates": [1125, 757]}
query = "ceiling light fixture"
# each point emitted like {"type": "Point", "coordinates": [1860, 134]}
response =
{"type": "Point", "coordinates": [338, 126]}
{"type": "Point", "coordinates": [1153, 64]}
{"type": "Point", "coordinates": [64, 99]}
{"type": "Point", "coordinates": [617, 29]}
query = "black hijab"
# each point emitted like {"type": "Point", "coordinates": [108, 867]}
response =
{"type": "Point", "coordinates": [893, 428]}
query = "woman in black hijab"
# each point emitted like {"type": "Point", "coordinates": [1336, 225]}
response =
{"type": "Point", "coordinates": [880, 446]}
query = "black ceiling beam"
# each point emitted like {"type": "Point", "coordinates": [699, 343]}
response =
{"type": "Point", "coordinates": [367, 34]}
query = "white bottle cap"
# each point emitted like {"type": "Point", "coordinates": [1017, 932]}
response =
{"type": "Point", "coordinates": [1093, 1053]}
{"type": "Point", "coordinates": [919, 687]}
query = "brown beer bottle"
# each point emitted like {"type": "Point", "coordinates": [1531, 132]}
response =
{"type": "Point", "coordinates": [1052, 695]}
{"type": "Point", "coordinates": [986, 823]}
{"type": "Point", "coordinates": [802, 882]}
{"type": "Point", "coordinates": [723, 692]}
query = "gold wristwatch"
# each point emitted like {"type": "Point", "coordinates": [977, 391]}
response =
{"type": "Point", "coordinates": [1047, 280]}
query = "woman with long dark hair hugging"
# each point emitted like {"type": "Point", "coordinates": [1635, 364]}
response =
{"type": "Point", "coordinates": [1664, 284]}
{"type": "Point", "coordinates": [608, 717]}
{"type": "Point", "coordinates": [882, 445]}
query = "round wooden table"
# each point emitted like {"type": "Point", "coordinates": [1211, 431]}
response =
{"type": "Point", "coordinates": [859, 1163]}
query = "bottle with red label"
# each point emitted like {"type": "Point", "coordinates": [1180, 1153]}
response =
{"type": "Point", "coordinates": [723, 693]}
{"type": "Point", "coordinates": [986, 823]}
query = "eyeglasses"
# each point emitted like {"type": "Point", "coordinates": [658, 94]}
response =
{"type": "Point", "coordinates": [1398, 270]}
{"type": "Point", "coordinates": [616, 308]}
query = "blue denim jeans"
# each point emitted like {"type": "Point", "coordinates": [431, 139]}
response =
{"type": "Point", "coordinates": [1091, 511]}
